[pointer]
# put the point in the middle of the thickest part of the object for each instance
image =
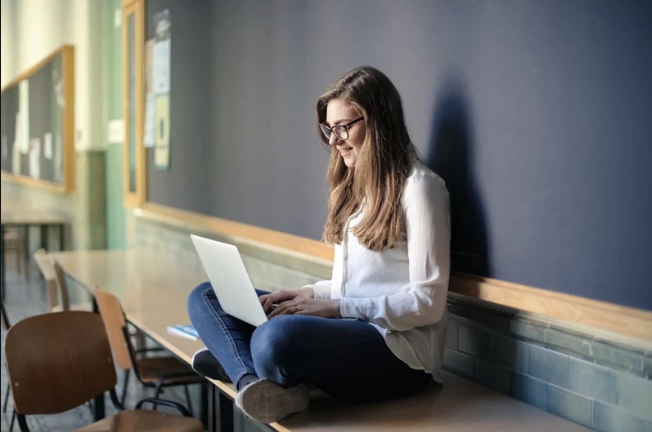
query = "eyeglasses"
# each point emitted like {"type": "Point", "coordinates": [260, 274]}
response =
{"type": "Point", "coordinates": [340, 131]}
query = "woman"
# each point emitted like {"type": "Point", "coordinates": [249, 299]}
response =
{"type": "Point", "coordinates": [376, 330]}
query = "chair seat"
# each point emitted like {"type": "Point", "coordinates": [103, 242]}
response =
{"type": "Point", "coordinates": [151, 369]}
{"type": "Point", "coordinates": [145, 421]}
{"type": "Point", "coordinates": [87, 306]}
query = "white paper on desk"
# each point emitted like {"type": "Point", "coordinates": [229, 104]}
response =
{"type": "Point", "coordinates": [48, 152]}
{"type": "Point", "coordinates": [35, 158]}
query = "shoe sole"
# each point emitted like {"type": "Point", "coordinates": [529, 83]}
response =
{"type": "Point", "coordinates": [268, 402]}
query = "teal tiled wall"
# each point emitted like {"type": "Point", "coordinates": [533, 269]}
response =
{"type": "Point", "coordinates": [596, 383]}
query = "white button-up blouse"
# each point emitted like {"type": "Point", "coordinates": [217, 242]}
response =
{"type": "Point", "coordinates": [401, 291]}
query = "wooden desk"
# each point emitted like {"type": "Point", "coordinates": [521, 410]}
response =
{"type": "Point", "coordinates": [154, 290]}
{"type": "Point", "coordinates": [14, 214]}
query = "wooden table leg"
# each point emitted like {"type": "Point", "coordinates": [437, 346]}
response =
{"type": "Point", "coordinates": [45, 237]}
{"type": "Point", "coordinates": [226, 412]}
{"type": "Point", "coordinates": [208, 406]}
{"type": "Point", "coordinates": [5, 323]}
{"type": "Point", "coordinates": [27, 245]}
{"type": "Point", "coordinates": [2, 261]}
{"type": "Point", "coordinates": [62, 237]}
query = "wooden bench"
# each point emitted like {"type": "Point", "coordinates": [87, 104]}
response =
{"type": "Point", "coordinates": [457, 406]}
{"type": "Point", "coordinates": [154, 290]}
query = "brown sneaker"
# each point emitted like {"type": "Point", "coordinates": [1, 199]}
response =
{"type": "Point", "coordinates": [268, 402]}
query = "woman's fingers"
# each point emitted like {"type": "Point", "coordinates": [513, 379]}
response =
{"type": "Point", "coordinates": [268, 300]}
{"type": "Point", "coordinates": [268, 303]}
{"type": "Point", "coordinates": [285, 308]}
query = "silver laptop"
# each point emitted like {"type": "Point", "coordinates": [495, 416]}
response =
{"type": "Point", "coordinates": [231, 282]}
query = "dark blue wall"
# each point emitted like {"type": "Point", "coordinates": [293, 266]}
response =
{"type": "Point", "coordinates": [537, 113]}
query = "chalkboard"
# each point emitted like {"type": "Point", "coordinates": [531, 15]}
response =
{"type": "Point", "coordinates": [537, 114]}
{"type": "Point", "coordinates": [44, 111]}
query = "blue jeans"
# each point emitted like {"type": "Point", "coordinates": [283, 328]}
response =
{"type": "Point", "coordinates": [345, 358]}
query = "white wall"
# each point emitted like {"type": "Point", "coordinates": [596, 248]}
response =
{"type": "Point", "coordinates": [7, 53]}
{"type": "Point", "coordinates": [42, 26]}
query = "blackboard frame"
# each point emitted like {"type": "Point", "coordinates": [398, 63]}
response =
{"type": "Point", "coordinates": [67, 184]}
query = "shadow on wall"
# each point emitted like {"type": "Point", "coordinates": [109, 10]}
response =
{"type": "Point", "coordinates": [450, 155]}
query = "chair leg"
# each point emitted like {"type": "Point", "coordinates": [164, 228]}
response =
{"type": "Point", "coordinates": [185, 387]}
{"type": "Point", "coordinates": [13, 420]}
{"type": "Point", "coordinates": [125, 386]}
{"type": "Point", "coordinates": [5, 318]}
{"type": "Point", "coordinates": [21, 264]}
{"type": "Point", "coordinates": [157, 391]}
{"type": "Point", "coordinates": [4, 407]}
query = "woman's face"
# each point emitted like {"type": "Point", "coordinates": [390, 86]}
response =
{"type": "Point", "coordinates": [339, 112]}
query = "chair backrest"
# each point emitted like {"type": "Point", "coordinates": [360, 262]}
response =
{"type": "Point", "coordinates": [45, 264]}
{"type": "Point", "coordinates": [63, 286]}
{"type": "Point", "coordinates": [114, 320]}
{"type": "Point", "coordinates": [58, 361]}
{"type": "Point", "coordinates": [12, 239]}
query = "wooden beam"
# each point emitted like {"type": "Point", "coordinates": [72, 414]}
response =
{"type": "Point", "coordinates": [35, 68]}
{"type": "Point", "coordinates": [610, 317]}
{"type": "Point", "coordinates": [130, 197]}
{"type": "Point", "coordinates": [69, 160]}
{"type": "Point", "coordinates": [262, 235]}
{"type": "Point", "coordinates": [31, 182]}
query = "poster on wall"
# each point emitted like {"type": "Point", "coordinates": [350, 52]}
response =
{"type": "Point", "coordinates": [58, 158]}
{"type": "Point", "coordinates": [149, 138]}
{"type": "Point", "coordinates": [18, 139]}
{"type": "Point", "coordinates": [150, 120]}
{"type": "Point", "coordinates": [35, 158]}
{"type": "Point", "coordinates": [58, 105]}
{"type": "Point", "coordinates": [48, 152]}
{"type": "Point", "coordinates": [5, 149]}
{"type": "Point", "coordinates": [161, 71]}
{"type": "Point", "coordinates": [22, 124]}
{"type": "Point", "coordinates": [15, 159]}
{"type": "Point", "coordinates": [162, 149]}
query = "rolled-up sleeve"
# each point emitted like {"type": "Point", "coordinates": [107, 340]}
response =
{"type": "Point", "coordinates": [321, 289]}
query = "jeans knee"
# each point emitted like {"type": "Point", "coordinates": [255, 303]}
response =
{"type": "Point", "coordinates": [271, 349]}
{"type": "Point", "coordinates": [196, 297]}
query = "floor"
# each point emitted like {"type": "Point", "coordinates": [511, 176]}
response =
{"type": "Point", "coordinates": [27, 298]}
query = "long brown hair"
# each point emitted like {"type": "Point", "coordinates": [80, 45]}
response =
{"type": "Point", "coordinates": [383, 165]}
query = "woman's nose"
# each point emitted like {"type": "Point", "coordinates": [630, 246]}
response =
{"type": "Point", "coordinates": [332, 140]}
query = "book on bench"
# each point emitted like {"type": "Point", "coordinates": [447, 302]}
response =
{"type": "Point", "coordinates": [187, 331]}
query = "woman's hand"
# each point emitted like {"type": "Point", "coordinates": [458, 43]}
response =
{"type": "Point", "coordinates": [281, 296]}
{"type": "Point", "coordinates": [325, 308]}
